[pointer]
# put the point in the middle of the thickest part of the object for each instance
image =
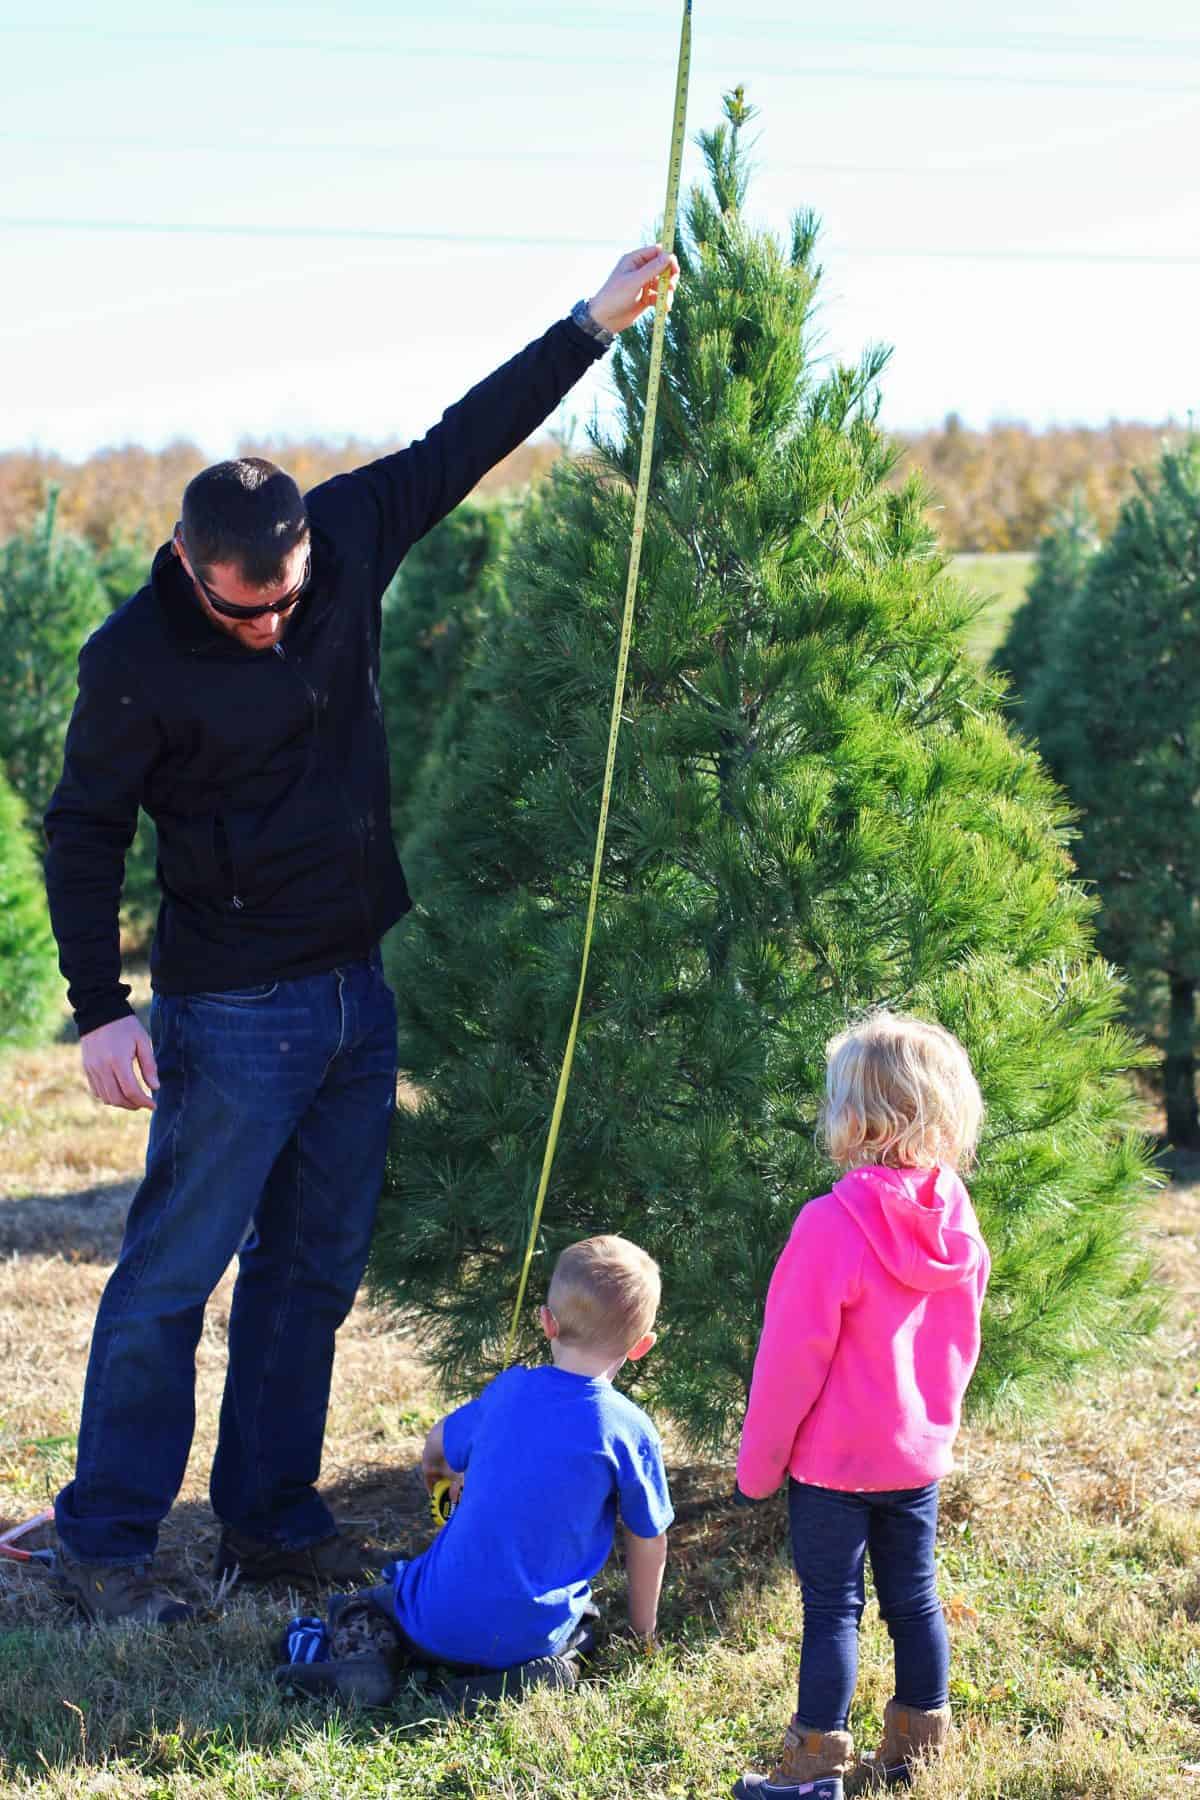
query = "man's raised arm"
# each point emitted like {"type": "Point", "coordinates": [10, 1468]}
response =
{"type": "Point", "coordinates": [416, 487]}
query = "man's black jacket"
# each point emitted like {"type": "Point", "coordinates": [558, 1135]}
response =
{"type": "Point", "coordinates": [266, 772]}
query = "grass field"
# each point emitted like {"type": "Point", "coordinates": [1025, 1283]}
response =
{"type": "Point", "coordinates": [1068, 1556]}
{"type": "Point", "coordinates": [1000, 581]}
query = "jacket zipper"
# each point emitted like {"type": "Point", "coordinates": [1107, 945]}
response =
{"type": "Point", "coordinates": [224, 852]}
{"type": "Point", "coordinates": [360, 842]}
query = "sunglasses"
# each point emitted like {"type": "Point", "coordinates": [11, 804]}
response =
{"type": "Point", "coordinates": [228, 610]}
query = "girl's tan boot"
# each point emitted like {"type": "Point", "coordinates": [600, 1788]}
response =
{"type": "Point", "coordinates": [811, 1764]}
{"type": "Point", "coordinates": [908, 1735]}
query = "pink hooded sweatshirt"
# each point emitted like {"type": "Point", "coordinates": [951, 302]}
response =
{"type": "Point", "coordinates": [870, 1337]}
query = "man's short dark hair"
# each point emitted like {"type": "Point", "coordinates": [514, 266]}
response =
{"type": "Point", "coordinates": [246, 512]}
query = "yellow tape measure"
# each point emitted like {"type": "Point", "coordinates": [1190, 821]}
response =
{"type": "Point", "coordinates": [678, 127]}
{"type": "Point", "coordinates": [440, 1503]}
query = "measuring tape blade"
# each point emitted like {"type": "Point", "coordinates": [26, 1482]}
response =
{"type": "Point", "coordinates": [675, 164]}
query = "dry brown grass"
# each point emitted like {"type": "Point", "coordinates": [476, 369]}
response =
{"type": "Point", "coordinates": [1069, 1555]}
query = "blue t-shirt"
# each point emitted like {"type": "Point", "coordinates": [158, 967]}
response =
{"type": "Point", "coordinates": [549, 1458]}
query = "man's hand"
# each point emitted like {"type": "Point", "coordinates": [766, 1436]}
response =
{"type": "Point", "coordinates": [633, 287]}
{"type": "Point", "coordinates": [114, 1055]}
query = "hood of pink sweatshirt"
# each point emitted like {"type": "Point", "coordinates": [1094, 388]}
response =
{"type": "Point", "coordinates": [870, 1336]}
{"type": "Point", "coordinates": [918, 1222]}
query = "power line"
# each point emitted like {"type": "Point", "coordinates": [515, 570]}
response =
{"type": "Point", "coordinates": [1021, 42]}
{"type": "Point", "coordinates": [457, 53]}
{"type": "Point", "coordinates": [423, 153]}
{"type": "Point", "coordinates": [366, 234]}
{"type": "Point", "coordinates": [347, 233]}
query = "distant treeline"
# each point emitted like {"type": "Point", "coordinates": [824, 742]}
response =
{"type": "Point", "coordinates": [1004, 488]}
{"type": "Point", "coordinates": [131, 495]}
{"type": "Point", "coordinates": [998, 489]}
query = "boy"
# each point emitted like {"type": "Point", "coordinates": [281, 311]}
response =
{"type": "Point", "coordinates": [544, 1458]}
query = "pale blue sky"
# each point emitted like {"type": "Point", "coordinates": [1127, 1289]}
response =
{"type": "Point", "coordinates": [1010, 199]}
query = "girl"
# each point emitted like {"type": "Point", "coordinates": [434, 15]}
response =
{"type": "Point", "coordinates": [870, 1337]}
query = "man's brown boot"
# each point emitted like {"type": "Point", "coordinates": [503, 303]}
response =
{"type": "Point", "coordinates": [908, 1735]}
{"type": "Point", "coordinates": [106, 1592]}
{"type": "Point", "coordinates": [811, 1764]}
{"type": "Point", "coordinates": [337, 1561]}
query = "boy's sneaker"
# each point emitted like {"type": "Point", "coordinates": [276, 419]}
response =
{"type": "Point", "coordinates": [337, 1561]}
{"type": "Point", "coordinates": [466, 1693]}
{"type": "Point", "coordinates": [363, 1622]}
{"type": "Point", "coordinates": [106, 1592]}
{"type": "Point", "coordinates": [305, 1640]}
{"type": "Point", "coordinates": [368, 1680]}
{"type": "Point", "coordinates": [811, 1766]}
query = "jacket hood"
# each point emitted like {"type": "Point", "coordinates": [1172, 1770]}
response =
{"type": "Point", "coordinates": [919, 1222]}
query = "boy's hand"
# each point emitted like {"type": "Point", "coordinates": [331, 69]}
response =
{"type": "Point", "coordinates": [645, 1560]}
{"type": "Point", "coordinates": [434, 1467]}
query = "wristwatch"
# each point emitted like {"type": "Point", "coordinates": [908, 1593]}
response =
{"type": "Point", "coordinates": [581, 312]}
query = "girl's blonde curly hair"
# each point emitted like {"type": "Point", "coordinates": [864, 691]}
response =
{"type": "Point", "coordinates": [900, 1091]}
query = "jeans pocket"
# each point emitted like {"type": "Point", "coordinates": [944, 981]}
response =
{"type": "Point", "coordinates": [238, 997]}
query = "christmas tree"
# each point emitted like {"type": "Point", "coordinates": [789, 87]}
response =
{"type": "Point", "coordinates": [1116, 710]}
{"type": "Point", "coordinates": [447, 587]}
{"type": "Point", "coordinates": [30, 985]}
{"type": "Point", "coordinates": [816, 808]}
{"type": "Point", "coordinates": [51, 599]}
{"type": "Point", "coordinates": [1062, 562]}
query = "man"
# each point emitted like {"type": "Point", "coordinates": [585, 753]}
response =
{"type": "Point", "coordinates": [236, 698]}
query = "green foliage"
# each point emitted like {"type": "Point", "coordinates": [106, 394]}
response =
{"type": "Point", "coordinates": [816, 808]}
{"type": "Point", "coordinates": [1062, 562]}
{"type": "Point", "coordinates": [28, 969]}
{"type": "Point", "coordinates": [54, 592]}
{"type": "Point", "coordinates": [1116, 709]}
{"type": "Point", "coordinates": [447, 587]}
{"type": "Point", "coordinates": [51, 599]}
{"type": "Point", "coordinates": [123, 568]}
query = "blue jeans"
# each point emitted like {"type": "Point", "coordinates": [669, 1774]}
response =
{"type": "Point", "coordinates": [268, 1142]}
{"type": "Point", "coordinates": [832, 1532]}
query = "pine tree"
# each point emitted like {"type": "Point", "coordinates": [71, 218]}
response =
{"type": "Point", "coordinates": [447, 588]}
{"type": "Point", "coordinates": [28, 969]}
{"type": "Point", "coordinates": [1116, 709]}
{"type": "Point", "coordinates": [123, 568]}
{"type": "Point", "coordinates": [51, 599]}
{"type": "Point", "coordinates": [1062, 561]}
{"type": "Point", "coordinates": [816, 808]}
{"type": "Point", "coordinates": [54, 592]}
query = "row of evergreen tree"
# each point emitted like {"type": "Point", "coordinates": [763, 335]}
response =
{"type": "Point", "coordinates": [1104, 661]}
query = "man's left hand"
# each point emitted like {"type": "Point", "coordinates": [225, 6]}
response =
{"type": "Point", "coordinates": [632, 288]}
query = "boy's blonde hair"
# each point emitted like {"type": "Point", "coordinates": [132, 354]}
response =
{"type": "Point", "coordinates": [900, 1091]}
{"type": "Point", "coordinates": [604, 1293]}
